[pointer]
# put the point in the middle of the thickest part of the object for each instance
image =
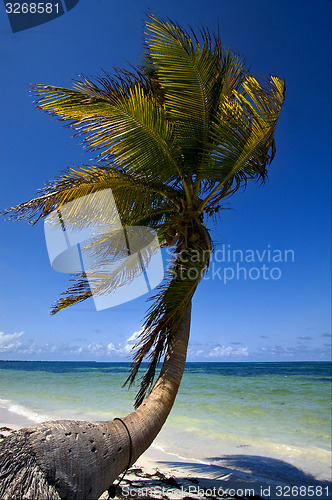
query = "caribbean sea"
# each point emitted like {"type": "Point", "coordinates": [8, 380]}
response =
{"type": "Point", "coordinates": [274, 410]}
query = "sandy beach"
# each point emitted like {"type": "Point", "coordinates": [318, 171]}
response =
{"type": "Point", "coordinates": [161, 475]}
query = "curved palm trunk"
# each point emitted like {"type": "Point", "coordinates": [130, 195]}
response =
{"type": "Point", "coordinates": [80, 460]}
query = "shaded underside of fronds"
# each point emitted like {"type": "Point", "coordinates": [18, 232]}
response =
{"type": "Point", "coordinates": [165, 315]}
{"type": "Point", "coordinates": [132, 192]}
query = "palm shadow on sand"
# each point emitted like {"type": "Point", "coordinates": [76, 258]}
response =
{"type": "Point", "coordinates": [247, 472]}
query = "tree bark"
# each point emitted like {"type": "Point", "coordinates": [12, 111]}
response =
{"type": "Point", "coordinates": [80, 460]}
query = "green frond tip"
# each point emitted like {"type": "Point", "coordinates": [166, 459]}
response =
{"type": "Point", "coordinates": [78, 292]}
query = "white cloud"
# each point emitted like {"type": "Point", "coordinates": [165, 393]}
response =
{"type": "Point", "coordinates": [10, 340]}
{"type": "Point", "coordinates": [14, 345]}
{"type": "Point", "coordinates": [223, 351]}
{"type": "Point", "coordinates": [131, 342]}
{"type": "Point", "coordinates": [115, 349]}
{"type": "Point", "coordinates": [300, 351]}
{"type": "Point", "coordinates": [111, 347]}
{"type": "Point", "coordinates": [96, 348]}
{"type": "Point", "coordinates": [199, 352]}
{"type": "Point", "coordinates": [123, 349]}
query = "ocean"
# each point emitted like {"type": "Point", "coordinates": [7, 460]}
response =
{"type": "Point", "coordinates": [278, 412]}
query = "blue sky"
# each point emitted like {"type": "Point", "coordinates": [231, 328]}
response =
{"type": "Point", "coordinates": [279, 314]}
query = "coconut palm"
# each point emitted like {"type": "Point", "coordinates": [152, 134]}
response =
{"type": "Point", "coordinates": [174, 137]}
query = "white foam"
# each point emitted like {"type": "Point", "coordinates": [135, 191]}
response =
{"type": "Point", "coordinates": [23, 411]}
{"type": "Point", "coordinates": [163, 450]}
{"type": "Point", "coordinates": [205, 450]}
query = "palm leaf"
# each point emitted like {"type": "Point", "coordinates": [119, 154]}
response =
{"type": "Point", "coordinates": [113, 263]}
{"type": "Point", "coordinates": [120, 124]}
{"type": "Point", "coordinates": [187, 73]}
{"type": "Point", "coordinates": [165, 315]}
{"type": "Point", "coordinates": [131, 193]}
{"type": "Point", "coordinates": [243, 136]}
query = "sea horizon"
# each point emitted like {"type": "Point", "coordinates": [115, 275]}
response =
{"type": "Point", "coordinates": [145, 363]}
{"type": "Point", "coordinates": [279, 410]}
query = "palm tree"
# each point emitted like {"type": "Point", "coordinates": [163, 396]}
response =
{"type": "Point", "coordinates": [174, 138]}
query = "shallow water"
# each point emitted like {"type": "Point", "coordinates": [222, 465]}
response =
{"type": "Point", "coordinates": [276, 410]}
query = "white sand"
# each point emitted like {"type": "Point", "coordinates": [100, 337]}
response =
{"type": "Point", "coordinates": [13, 420]}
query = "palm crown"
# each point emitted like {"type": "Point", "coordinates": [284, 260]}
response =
{"type": "Point", "coordinates": [174, 137]}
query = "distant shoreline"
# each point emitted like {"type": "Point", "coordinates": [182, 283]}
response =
{"type": "Point", "coordinates": [145, 363]}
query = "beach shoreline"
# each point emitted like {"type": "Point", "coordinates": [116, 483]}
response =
{"type": "Point", "coordinates": [158, 474]}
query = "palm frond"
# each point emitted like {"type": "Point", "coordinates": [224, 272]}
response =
{"type": "Point", "coordinates": [111, 261]}
{"type": "Point", "coordinates": [75, 294]}
{"type": "Point", "coordinates": [165, 315]}
{"type": "Point", "coordinates": [187, 72]}
{"type": "Point", "coordinates": [243, 136]}
{"type": "Point", "coordinates": [127, 126]}
{"type": "Point", "coordinates": [132, 193]}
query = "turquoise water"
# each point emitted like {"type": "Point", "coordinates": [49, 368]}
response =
{"type": "Point", "coordinates": [276, 410]}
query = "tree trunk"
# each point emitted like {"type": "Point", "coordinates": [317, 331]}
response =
{"type": "Point", "coordinates": [80, 460]}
